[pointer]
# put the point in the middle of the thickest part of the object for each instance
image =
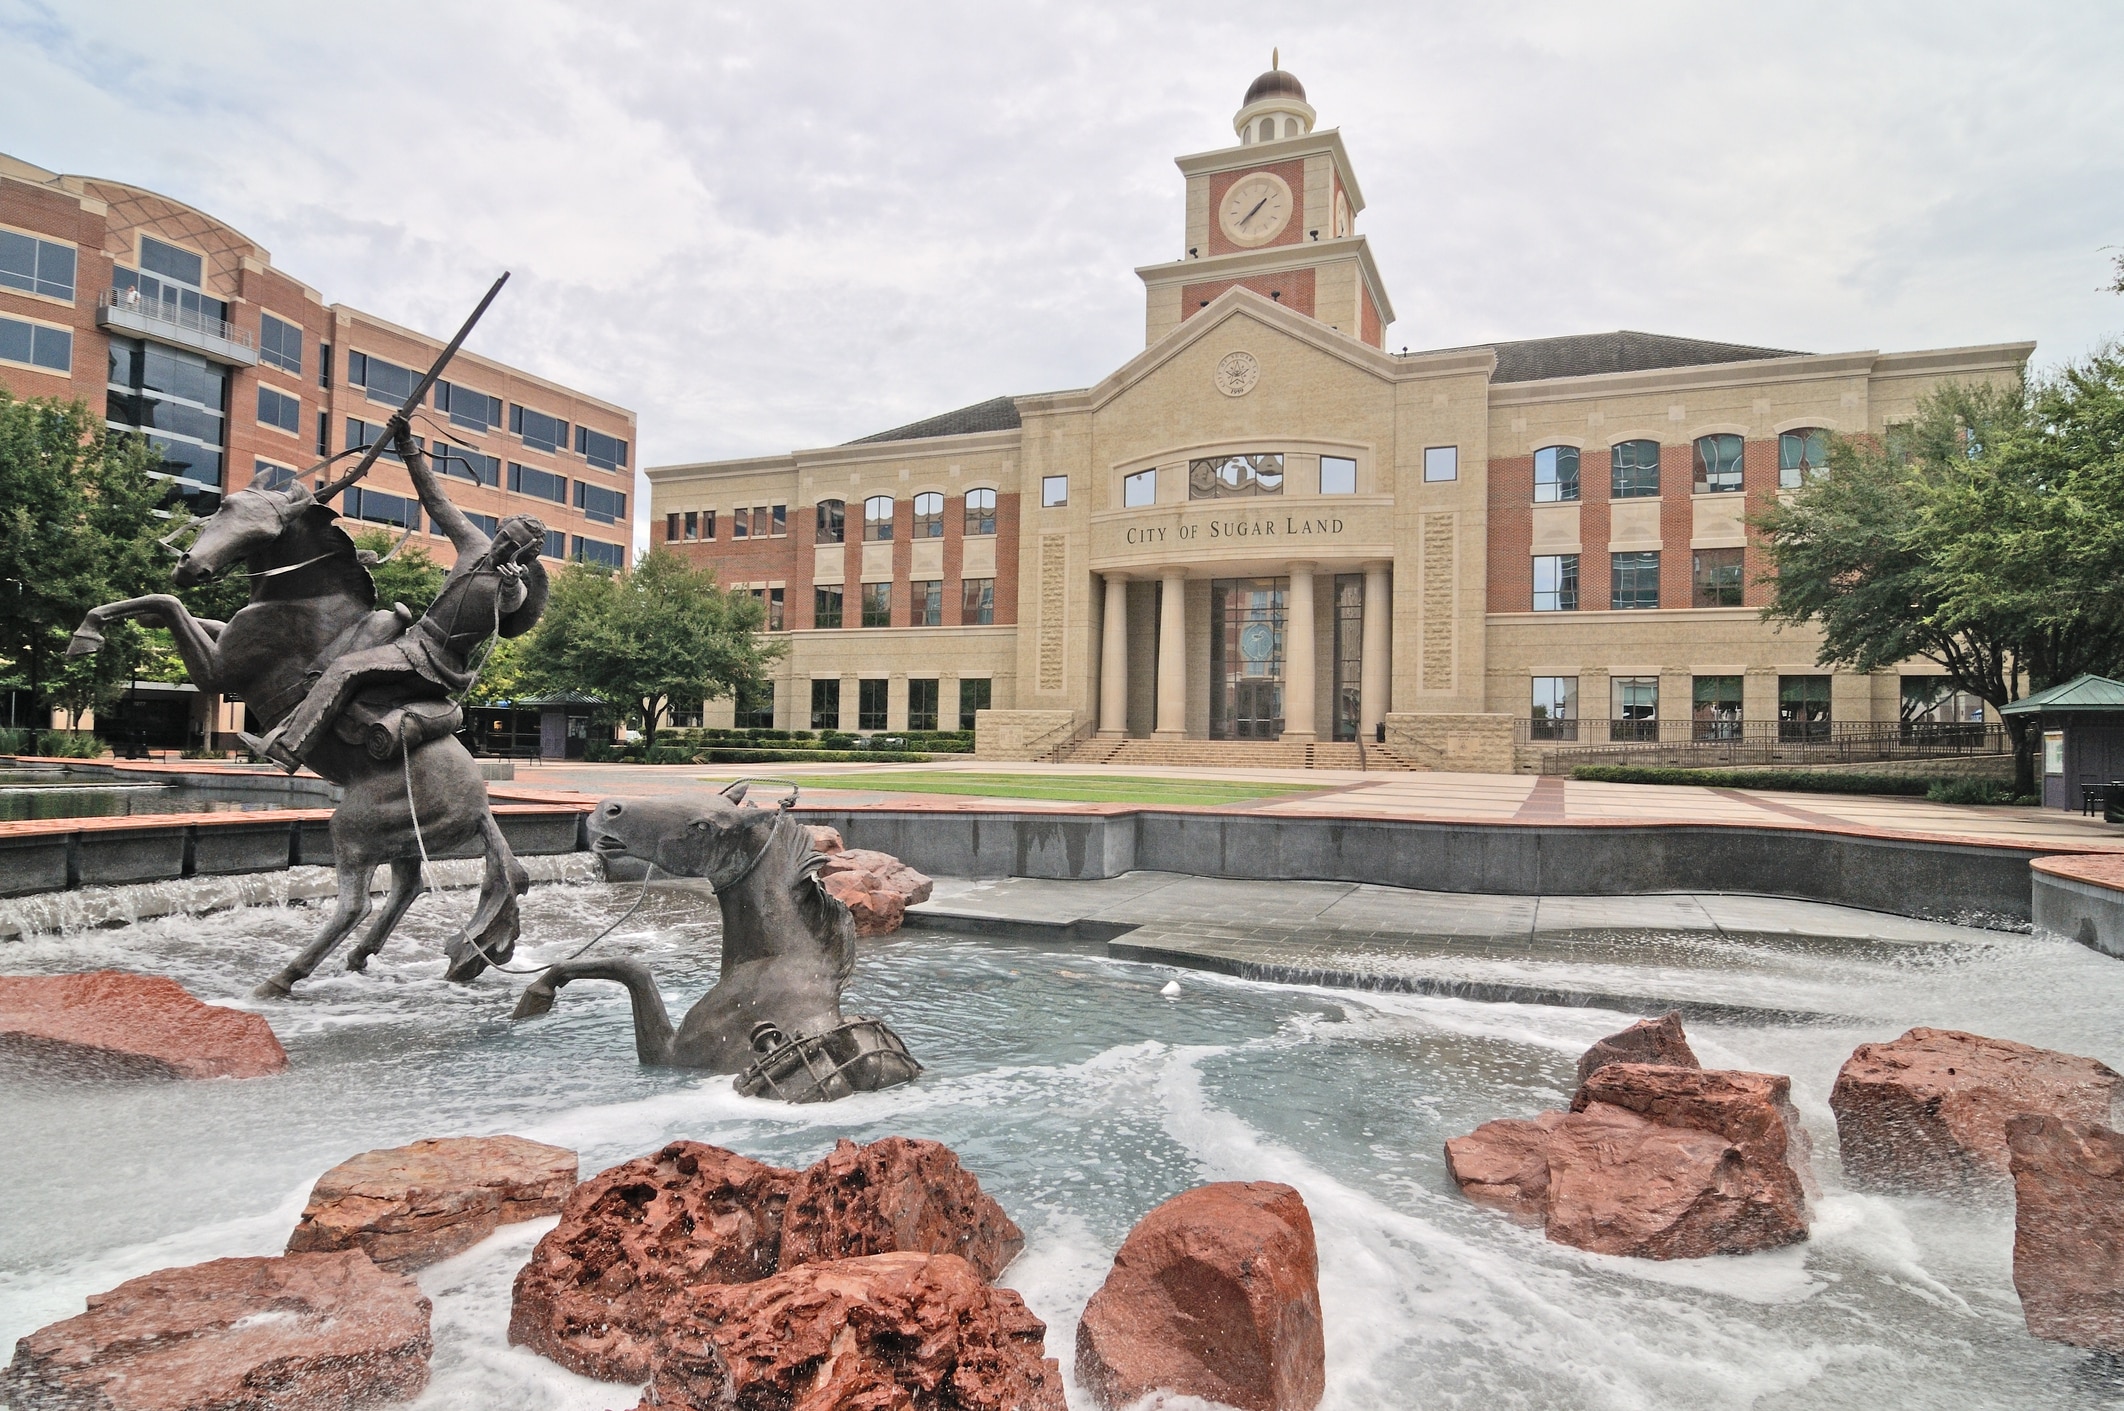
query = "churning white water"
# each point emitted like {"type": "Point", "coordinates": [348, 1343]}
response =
{"type": "Point", "coordinates": [1081, 1095]}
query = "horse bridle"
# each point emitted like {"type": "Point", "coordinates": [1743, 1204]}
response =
{"type": "Point", "coordinates": [780, 813]}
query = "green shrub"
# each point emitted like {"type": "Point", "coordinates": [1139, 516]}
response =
{"type": "Point", "coordinates": [719, 755]}
{"type": "Point", "coordinates": [15, 741]}
{"type": "Point", "coordinates": [1977, 791]}
{"type": "Point", "coordinates": [68, 744]}
{"type": "Point", "coordinates": [1791, 780]}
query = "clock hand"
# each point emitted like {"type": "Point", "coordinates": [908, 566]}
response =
{"type": "Point", "coordinates": [1257, 207]}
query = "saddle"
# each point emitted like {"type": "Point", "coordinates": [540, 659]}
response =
{"type": "Point", "coordinates": [385, 728]}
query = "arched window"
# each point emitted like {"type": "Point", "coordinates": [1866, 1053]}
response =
{"type": "Point", "coordinates": [1635, 467]}
{"type": "Point", "coordinates": [1718, 465]}
{"type": "Point", "coordinates": [877, 518]}
{"type": "Point", "coordinates": [1268, 129]}
{"type": "Point", "coordinates": [1555, 474]}
{"type": "Point", "coordinates": [1290, 127]}
{"type": "Point", "coordinates": [980, 511]}
{"type": "Point", "coordinates": [833, 522]}
{"type": "Point", "coordinates": [929, 515]}
{"type": "Point", "coordinates": [1801, 454]}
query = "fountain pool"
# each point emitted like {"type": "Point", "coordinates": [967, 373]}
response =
{"type": "Point", "coordinates": [1081, 1097]}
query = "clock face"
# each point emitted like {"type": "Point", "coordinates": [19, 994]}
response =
{"type": "Point", "coordinates": [1256, 208]}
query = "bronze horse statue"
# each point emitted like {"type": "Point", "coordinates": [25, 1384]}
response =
{"type": "Point", "coordinates": [312, 599]}
{"type": "Point", "coordinates": [774, 1016]}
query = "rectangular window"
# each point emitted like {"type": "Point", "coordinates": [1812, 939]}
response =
{"type": "Point", "coordinates": [1802, 707]}
{"type": "Point", "coordinates": [475, 411]}
{"type": "Point", "coordinates": [922, 705]}
{"type": "Point", "coordinates": [1633, 707]}
{"type": "Point", "coordinates": [1338, 475]}
{"type": "Point", "coordinates": [826, 606]}
{"type": "Point", "coordinates": [280, 344]}
{"type": "Point", "coordinates": [1718, 465]}
{"type": "Point", "coordinates": [324, 364]}
{"type": "Point", "coordinates": [870, 703]}
{"type": "Point", "coordinates": [536, 429]}
{"type": "Point", "coordinates": [778, 521]}
{"type": "Point", "coordinates": [599, 552]}
{"type": "Point", "coordinates": [693, 526]}
{"type": "Point", "coordinates": [36, 345]}
{"type": "Point", "coordinates": [1800, 456]}
{"type": "Point", "coordinates": [1718, 578]}
{"type": "Point", "coordinates": [740, 525]}
{"type": "Point", "coordinates": [707, 524]}
{"type": "Point", "coordinates": [539, 484]}
{"type": "Point", "coordinates": [877, 605]}
{"type": "Point", "coordinates": [277, 477]}
{"type": "Point", "coordinates": [556, 546]}
{"type": "Point", "coordinates": [1635, 580]}
{"type": "Point", "coordinates": [671, 527]}
{"type": "Point", "coordinates": [977, 601]}
{"type": "Point", "coordinates": [467, 465]}
{"type": "Point", "coordinates": [755, 706]}
{"type": "Point", "coordinates": [381, 381]}
{"type": "Point", "coordinates": [171, 262]}
{"type": "Point", "coordinates": [324, 435]}
{"type": "Point", "coordinates": [1556, 583]}
{"type": "Point", "coordinates": [1441, 463]}
{"type": "Point", "coordinates": [1224, 477]}
{"type": "Point", "coordinates": [360, 502]}
{"type": "Point", "coordinates": [2053, 751]}
{"type": "Point", "coordinates": [1139, 489]}
{"type": "Point", "coordinates": [1715, 709]}
{"type": "Point", "coordinates": [276, 408]}
{"type": "Point", "coordinates": [1634, 469]}
{"type": "Point", "coordinates": [831, 522]}
{"type": "Point", "coordinates": [599, 504]}
{"type": "Point", "coordinates": [1054, 492]}
{"type": "Point", "coordinates": [826, 704]}
{"type": "Point", "coordinates": [1555, 708]}
{"type": "Point", "coordinates": [1555, 475]}
{"type": "Point", "coordinates": [604, 452]}
{"type": "Point", "coordinates": [488, 524]}
{"type": "Point", "coordinates": [973, 698]}
{"type": "Point", "coordinates": [777, 601]}
{"type": "Point", "coordinates": [36, 266]}
{"type": "Point", "coordinates": [362, 434]}
{"type": "Point", "coordinates": [928, 606]}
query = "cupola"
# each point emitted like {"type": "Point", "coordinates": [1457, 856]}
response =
{"type": "Point", "coordinates": [1275, 107]}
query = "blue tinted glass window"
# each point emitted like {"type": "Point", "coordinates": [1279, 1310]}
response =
{"type": "Point", "coordinates": [1718, 464]}
{"type": "Point", "coordinates": [598, 503]}
{"type": "Point", "coordinates": [1555, 474]}
{"type": "Point", "coordinates": [171, 262]}
{"type": "Point", "coordinates": [386, 382]}
{"type": "Point", "coordinates": [541, 484]}
{"type": "Point", "coordinates": [33, 343]}
{"type": "Point", "coordinates": [542, 432]}
{"type": "Point", "coordinates": [1635, 469]}
{"type": "Point", "coordinates": [599, 552]}
{"type": "Point", "coordinates": [556, 546]}
{"type": "Point", "coordinates": [280, 344]}
{"type": "Point", "coordinates": [278, 409]}
{"type": "Point", "coordinates": [605, 452]}
{"type": "Point", "coordinates": [36, 266]}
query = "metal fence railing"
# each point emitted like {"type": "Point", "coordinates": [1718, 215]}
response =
{"type": "Point", "coordinates": [177, 316]}
{"type": "Point", "coordinates": [1709, 744]}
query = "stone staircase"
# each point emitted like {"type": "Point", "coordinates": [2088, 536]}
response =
{"type": "Point", "coordinates": [1228, 754]}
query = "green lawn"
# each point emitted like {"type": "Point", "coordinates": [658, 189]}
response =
{"type": "Point", "coordinates": [1078, 788]}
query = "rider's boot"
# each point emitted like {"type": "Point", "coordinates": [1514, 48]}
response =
{"type": "Point", "coordinates": [270, 748]}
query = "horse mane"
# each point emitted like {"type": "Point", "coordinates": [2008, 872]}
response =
{"type": "Point", "coordinates": [316, 530]}
{"type": "Point", "coordinates": [823, 913]}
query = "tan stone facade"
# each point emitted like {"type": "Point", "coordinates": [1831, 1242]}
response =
{"type": "Point", "coordinates": [1265, 526]}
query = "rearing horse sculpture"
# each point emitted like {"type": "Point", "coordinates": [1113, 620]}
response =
{"type": "Point", "coordinates": [312, 598]}
{"type": "Point", "coordinates": [774, 1015]}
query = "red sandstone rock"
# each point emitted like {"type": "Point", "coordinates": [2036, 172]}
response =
{"type": "Point", "coordinates": [900, 1330]}
{"type": "Point", "coordinates": [1505, 1164]}
{"type": "Point", "coordinates": [303, 1332]}
{"type": "Point", "coordinates": [825, 840]}
{"type": "Point", "coordinates": [1658, 1040]}
{"type": "Point", "coordinates": [411, 1206]}
{"type": "Point", "coordinates": [1620, 1184]}
{"type": "Point", "coordinates": [2068, 1229]}
{"type": "Point", "coordinates": [1752, 1110]}
{"type": "Point", "coordinates": [1216, 1294]}
{"type": "Point", "coordinates": [898, 1194]}
{"type": "Point", "coordinates": [112, 1024]}
{"type": "Point", "coordinates": [876, 886]}
{"type": "Point", "coordinates": [598, 1288]}
{"type": "Point", "coordinates": [1929, 1110]}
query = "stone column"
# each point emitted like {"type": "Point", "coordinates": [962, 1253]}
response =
{"type": "Point", "coordinates": [1172, 657]}
{"type": "Point", "coordinates": [1298, 658]}
{"type": "Point", "coordinates": [1113, 659]}
{"type": "Point", "coordinates": [1377, 666]}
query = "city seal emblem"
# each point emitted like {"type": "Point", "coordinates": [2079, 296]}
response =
{"type": "Point", "coordinates": [1236, 374]}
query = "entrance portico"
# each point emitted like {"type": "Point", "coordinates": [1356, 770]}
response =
{"type": "Point", "coordinates": [1296, 651]}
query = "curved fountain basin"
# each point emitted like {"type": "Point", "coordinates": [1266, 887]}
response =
{"type": "Point", "coordinates": [1081, 1097]}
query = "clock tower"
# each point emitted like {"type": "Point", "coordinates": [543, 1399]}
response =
{"type": "Point", "coordinates": [1276, 213]}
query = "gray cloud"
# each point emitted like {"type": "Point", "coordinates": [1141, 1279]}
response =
{"type": "Point", "coordinates": [774, 226]}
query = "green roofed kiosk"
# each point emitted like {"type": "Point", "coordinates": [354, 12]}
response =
{"type": "Point", "coordinates": [2082, 752]}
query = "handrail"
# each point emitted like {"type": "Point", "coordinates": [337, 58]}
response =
{"type": "Point", "coordinates": [164, 312]}
{"type": "Point", "coordinates": [1562, 744]}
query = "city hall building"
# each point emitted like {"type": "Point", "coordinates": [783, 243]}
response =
{"type": "Point", "coordinates": [1266, 528]}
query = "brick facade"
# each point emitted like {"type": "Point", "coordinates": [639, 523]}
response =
{"type": "Point", "coordinates": [1293, 174]}
{"type": "Point", "coordinates": [1511, 555]}
{"type": "Point", "coordinates": [1291, 288]}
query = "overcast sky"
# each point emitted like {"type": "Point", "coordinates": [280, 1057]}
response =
{"type": "Point", "coordinates": [779, 225]}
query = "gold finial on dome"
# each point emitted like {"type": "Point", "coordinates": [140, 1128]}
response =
{"type": "Point", "coordinates": [1275, 58]}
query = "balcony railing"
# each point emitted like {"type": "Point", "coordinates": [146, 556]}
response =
{"type": "Point", "coordinates": [171, 323]}
{"type": "Point", "coordinates": [1707, 744]}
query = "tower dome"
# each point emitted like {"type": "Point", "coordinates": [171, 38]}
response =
{"type": "Point", "coordinates": [1275, 107]}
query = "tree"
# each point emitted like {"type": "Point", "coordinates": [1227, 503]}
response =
{"type": "Point", "coordinates": [1985, 535]}
{"type": "Point", "coordinates": [77, 528]}
{"type": "Point", "coordinates": [660, 634]}
{"type": "Point", "coordinates": [411, 577]}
